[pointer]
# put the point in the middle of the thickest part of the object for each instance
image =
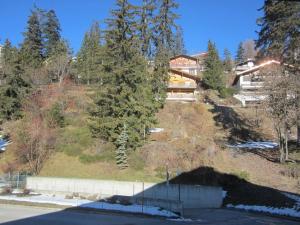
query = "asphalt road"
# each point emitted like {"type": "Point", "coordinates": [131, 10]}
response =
{"type": "Point", "coordinates": [28, 215]}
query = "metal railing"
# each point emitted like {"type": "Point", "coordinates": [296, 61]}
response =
{"type": "Point", "coordinates": [13, 180]}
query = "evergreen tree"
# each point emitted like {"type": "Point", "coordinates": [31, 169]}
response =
{"type": "Point", "coordinates": [164, 43]}
{"type": "Point", "coordinates": [179, 47]}
{"type": "Point", "coordinates": [12, 93]}
{"type": "Point", "coordinates": [228, 63]}
{"type": "Point", "coordinates": [121, 155]}
{"type": "Point", "coordinates": [51, 30]}
{"type": "Point", "coordinates": [165, 24]}
{"type": "Point", "coordinates": [240, 55]}
{"type": "Point", "coordinates": [279, 38]}
{"type": "Point", "coordinates": [213, 76]}
{"type": "Point", "coordinates": [32, 47]}
{"type": "Point", "coordinates": [8, 56]}
{"type": "Point", "coordinates": [279, 35]}
{"type": "Point", "coordinates": [125, 95]}
{"type": "Point", "coordinates": [145, 26]}
{"type": "Point", "coordinates": [90, 56]}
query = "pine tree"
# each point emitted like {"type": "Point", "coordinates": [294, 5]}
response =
{"type": "Point", "coordinates": [32, 47]}
{"type": "Point", "coordinates": [145, 26]}
{"type": "Point", "coordinates": [279, 38]}
{"type": "Point", "coordinates": [240, 55]}
{"type": "Point", "coordinates": [125, 95]}
{"type": "Point", "coordinates": [228, 63]}
{"type": "Point", "coordinates": [12, 93]}
{"type": "Point", "coordinates": [179, 47]}
{"type": "Point", "coordinates": [90, 56]}
{"type": "Point", "coordinates": [51, 30]}
{"type": "Point", "coordinates": [164, 44]}
{"type": "Point", "coordinates": [279, 35]}
{"type": "Point", "coordinates": [165, 24]}
{"type": "Point", "coordinates": [121, 155]}
{"type": "Point", "coordinates": [213, 76]}
{"type": "Point", "coordinates": [8, 56]}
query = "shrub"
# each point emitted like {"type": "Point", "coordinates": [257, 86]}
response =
{"type": "Point", "coordinates": [227, 92]}
{"type": "Point", "coordinates": [26, 191]}
{"type": "Point", "coordinates": [6, 190]}
{"type": "Point", "coordinates": [55, 116]}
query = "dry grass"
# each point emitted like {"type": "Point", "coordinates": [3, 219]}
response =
{"type": "Point", "coordinates": [61, 165]}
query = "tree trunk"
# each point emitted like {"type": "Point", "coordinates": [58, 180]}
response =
{"type": "Point", "coordinates": [298, 131]}
{"type": "Point", "coordinates": [298, 118]}
{"type": "Point", "coordinates": [286, 144]}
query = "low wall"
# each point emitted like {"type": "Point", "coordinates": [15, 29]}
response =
{"type": "Point", "coordinates": [186, 196]}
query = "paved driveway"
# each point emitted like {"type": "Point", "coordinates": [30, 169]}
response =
{"type": "Point", "coordinates": [26, 215]}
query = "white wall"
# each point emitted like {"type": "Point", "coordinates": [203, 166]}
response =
{"type": "Point", "coordinates": [190, 196]}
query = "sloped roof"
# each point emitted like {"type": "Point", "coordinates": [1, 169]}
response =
{"type": "Point", "coordinates": [253, 69]}
{"type": "Point", "coordinates": [184, 56]}
{"type": "Point", "coordinates": [184, 74]}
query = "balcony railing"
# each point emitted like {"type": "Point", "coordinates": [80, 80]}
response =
{"type": "Point", "coordinates": [182, 85]}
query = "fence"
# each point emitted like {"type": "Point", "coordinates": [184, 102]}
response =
{"type": "Point", "coordinates": [13, 180]}
{"type": "Point", "coordinates": [170, 196]}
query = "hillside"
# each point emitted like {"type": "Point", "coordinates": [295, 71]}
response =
{"type": "Point", "coordinates": [195, 136]}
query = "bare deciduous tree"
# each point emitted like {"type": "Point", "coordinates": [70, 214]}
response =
{"type": "Point", "coordinates": [280, 104]}
{"type": "Point", "coordinates": [35, 140]}
{"type": "Point", "coordinates": [249, 47]}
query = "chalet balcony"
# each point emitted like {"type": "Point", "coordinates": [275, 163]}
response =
{"type": "Point", "coordinates": [186, 66]}
{"type": "Point", "coordinates": [186, 97]}
{"type": "Point", "coordinates": [182, 85]}
{"type": "Point", "coordinates": [252, 85]}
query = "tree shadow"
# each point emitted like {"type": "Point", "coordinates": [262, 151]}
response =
{"type": "Point", "coordinates": [241, 130]}
{"type": "Point", "coordinates": [239, 190]}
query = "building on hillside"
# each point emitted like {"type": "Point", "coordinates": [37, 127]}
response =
{"type": "Point", "coordinates": [187, 64]}
{"type": "Point", "coordinates": [201, 57]}
{"type": "Point", "coordinates": [185, 77]}
{"type": "Point", "coordinates": [182, 86]}
{"type": "Point", "coordinates": [243, 66]}
{"type": "Point", "coordinates": [250, 83]}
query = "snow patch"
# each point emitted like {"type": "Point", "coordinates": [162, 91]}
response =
{"type": "Point", "coordinates": [83, 203]}
{"type": "Point", "coordinates": [255, 145]}
{"type": "Point", "coordinates": [156, 130]}
{"type": "Point", "coordinates": [279, 211]}
{"type": "Point", "coordinates": [224, 194]}
{"type": "Point", "coordinates": [294, 197]}
{"type": "Point", "coordinates": [3, 144]}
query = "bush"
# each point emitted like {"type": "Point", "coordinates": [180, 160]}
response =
{"type": "Point", "coordinates": [227, 92]}
{"type": "Point", "coordinates": [55, 116]}
{"type": "Point", "coordinates": [6, 190]}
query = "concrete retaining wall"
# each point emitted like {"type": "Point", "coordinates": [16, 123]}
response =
{"type": "Point", "coordinates": [187, 196]}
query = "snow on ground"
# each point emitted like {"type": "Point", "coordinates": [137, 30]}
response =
{"type": "Point", "coordinates": [255, 145]}
{"type": "Point", "coordinates": [224, 194]}
{"type": "Point", "coordinates": [279, 211]}
{"type": "Point", "coordinates": [83, 203]}
{"type": "Point", "coordinates": [3, 144]}
{"type": "Point", "coordinates": [294, 197]}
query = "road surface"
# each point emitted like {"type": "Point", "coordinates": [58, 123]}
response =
{"type": "Point", "coordinates": [29, 215]}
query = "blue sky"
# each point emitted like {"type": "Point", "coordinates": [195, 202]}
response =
{"type": "Point", "coordinates": [226, 22]}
